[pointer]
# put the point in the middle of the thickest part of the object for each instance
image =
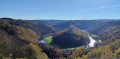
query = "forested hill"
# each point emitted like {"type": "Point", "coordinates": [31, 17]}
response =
{"type": "Point", "coordinates": [70, 37]}
{"type": "Point", "coordinates": [107, 30]}
{"type": "Point", "coordinates": [81, 24]}
{"type": "Point", "coordinates": [18, 38]}
{"type": "Point", "coordinates": [50, 22]}
{"type": "Point", "coordinates": [13, 32]}
{"type": "Point", "coordinates": [25, 31]}
{"type": "Point", "coordinates": [38, 27]}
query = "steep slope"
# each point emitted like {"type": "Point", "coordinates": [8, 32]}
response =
{"type": "Point", "coordinates": [70, 37]}
{"type": "Point", "coordinates": [106, 30]}
{"type": "Point", "coordinates": [14, 39]}
{"type": "Point", "coordinates": [38, 27]}
{"type": "Point", "coordinates": [17, 32]}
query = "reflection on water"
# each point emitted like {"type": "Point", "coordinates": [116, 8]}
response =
{"type": "Point", "coordinates": [43, 41]}
{"type": "Point", "coordinates": [92, 42]}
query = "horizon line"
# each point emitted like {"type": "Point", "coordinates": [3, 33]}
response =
{"type": "Point", "coordinates": [58, 19]}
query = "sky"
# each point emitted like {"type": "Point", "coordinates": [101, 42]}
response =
{"type": "Point", "coordinates": [60, 9]}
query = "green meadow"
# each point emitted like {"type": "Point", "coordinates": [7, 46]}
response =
{"type": "Point", "coordinates": [48, 39]}
{"type": "Point", "coordinates": [100, 41]}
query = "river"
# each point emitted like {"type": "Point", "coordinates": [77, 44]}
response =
{"type": "Point", "coordinates": [91, 43]}
{"type": "Point", "coordinates": [43, 41]}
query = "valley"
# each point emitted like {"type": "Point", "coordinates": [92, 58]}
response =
{"type": "Point", "coordinates": [59, 29]}
{"type": "Point", "coordinates": [92, 42]}
{"type": "Point", "coordinates": [80, 39]}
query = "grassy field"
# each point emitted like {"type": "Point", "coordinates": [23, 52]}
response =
{"type": "Point", "coordinates": [100, 41]}
{"type": "Point", "coordinates": [48, 39]}
{"type": "Point", "coordinates": [92, 35]}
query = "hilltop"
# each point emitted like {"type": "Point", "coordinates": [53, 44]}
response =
{"type": "Point", "coordinates": [70, 37]}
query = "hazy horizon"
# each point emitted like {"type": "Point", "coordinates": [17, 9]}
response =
{"type": "Point", "coordinates": [58, 19]}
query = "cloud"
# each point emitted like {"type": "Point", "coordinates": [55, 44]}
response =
{"type": "Point", "coordinates": [100, 8]}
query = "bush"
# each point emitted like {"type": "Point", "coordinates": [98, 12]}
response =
{"type": "Point", "coordinates": [1, 56]}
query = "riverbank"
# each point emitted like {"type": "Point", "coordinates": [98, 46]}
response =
{"type": "Point", "coordinates": [48, 40]}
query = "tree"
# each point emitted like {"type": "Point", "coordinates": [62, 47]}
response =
{"type": "Point", "coordinates": [34, 52]}
{"type": "Point", "coordinates": [117, 53]}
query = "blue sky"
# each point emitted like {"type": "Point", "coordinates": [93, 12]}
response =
{"type": "Point", "coordinates": [60, 9]}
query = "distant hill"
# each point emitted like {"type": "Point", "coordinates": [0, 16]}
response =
{"type": "Point", "coordinates": [81, 24]}
{"type": "Point", "coordinates": [70, 37]}
{"type": "Point", "coordinates": [50, 22]}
